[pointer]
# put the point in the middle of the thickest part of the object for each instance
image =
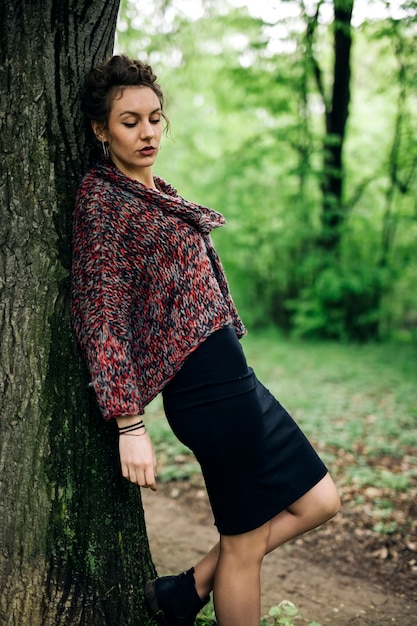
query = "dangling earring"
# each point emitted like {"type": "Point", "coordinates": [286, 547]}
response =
{"type": "Point", "coordinates": [105, 148]}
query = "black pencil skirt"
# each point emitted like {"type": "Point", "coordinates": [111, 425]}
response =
{"type": "Point", "coordinates": [254, 458]}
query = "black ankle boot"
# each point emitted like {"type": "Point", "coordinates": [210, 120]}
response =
{"type": "Point", "coordinates": [175, 599]}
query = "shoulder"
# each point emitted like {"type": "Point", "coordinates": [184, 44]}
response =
{"type": "Point", "coordinates": [97, 196]}
{"type": "Point", "coordinates": [94, 182]}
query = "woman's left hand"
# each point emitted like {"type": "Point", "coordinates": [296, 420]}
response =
{"type": "Point", "coordinates": [137, 454]}
{"type": "Point", "coordinates": [137, 459]}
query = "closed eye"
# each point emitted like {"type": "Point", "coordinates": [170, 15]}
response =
{"type": "Point", "coordinates": [133, 124]}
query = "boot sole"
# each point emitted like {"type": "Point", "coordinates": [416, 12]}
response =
{"type": "Point", "coordinates": [150, 596]}
{"type": "Point", "coordinates": [152, 602]}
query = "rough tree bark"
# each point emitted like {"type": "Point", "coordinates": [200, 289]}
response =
{"type": "Point", "coordinates": [74, 549]}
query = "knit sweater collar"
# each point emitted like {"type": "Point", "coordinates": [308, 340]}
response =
{"type": "Point", "coordinates": [165, 198]}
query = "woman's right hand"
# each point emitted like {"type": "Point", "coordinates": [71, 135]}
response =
{"type": "Point", "coordinates": [138, 461]}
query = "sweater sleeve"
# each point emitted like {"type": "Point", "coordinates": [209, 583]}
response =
{"type": "Point", "coordinates": [101, 306]}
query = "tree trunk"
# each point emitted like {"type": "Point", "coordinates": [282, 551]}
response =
{"type": "Point", "coordinates": [336, 118]}
{"type": "Point", "coordinates": [73, 546]}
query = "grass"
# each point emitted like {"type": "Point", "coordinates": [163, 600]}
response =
{"type": "Point", "coordinates": [357, 403]}
{"type": "Point", "coordinates": [343, 394]}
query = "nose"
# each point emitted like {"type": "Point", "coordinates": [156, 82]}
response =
{"type": "Point", "coordinates": [147, 130]}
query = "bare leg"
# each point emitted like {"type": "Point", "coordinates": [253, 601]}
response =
{"type": "Point", "coordinates": [237, 586]}
{"type": "Point", "coordinates": [317, 506]}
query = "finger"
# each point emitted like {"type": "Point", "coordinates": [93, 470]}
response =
{"type": "Point", "coordinates": [136, 476]}
{"type": "Point", "coordinates": [150, 480]}
{"type": "Point", "coordinates": [153, 486]}
{"type": "Point", "coordinates": [125, 471]}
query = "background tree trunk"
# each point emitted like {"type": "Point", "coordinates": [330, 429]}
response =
{"type": "Point", "coordinates": [336, 111]}
{"type": "Point", "coordinates": [73, 541]}
{"type": "Point", "coordinates": [336, 117]}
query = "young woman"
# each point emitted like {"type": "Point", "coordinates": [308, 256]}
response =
{"type": "Point", "coordinates": [153, 313]}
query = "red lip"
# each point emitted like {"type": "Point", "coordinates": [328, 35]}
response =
{"type": "Point", "coordinates": [148, 150]}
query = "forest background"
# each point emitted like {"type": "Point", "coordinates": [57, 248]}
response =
{"type": "Point", "coordinates": [298, 125]}
{"type": "Point", "coordinates": [297, 122]}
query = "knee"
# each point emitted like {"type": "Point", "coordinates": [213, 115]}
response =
{"type": "Point", "coordinates": [246, 548]}
{"type": "Point", "coordinates": [331, 502]}
{"type": "Point", "coordinates": [326, 500]}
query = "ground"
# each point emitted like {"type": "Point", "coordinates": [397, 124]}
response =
{"type": "Point", "coordinates": [342, 574]}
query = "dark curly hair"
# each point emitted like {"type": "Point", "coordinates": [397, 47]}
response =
{"type": "Point", "coordinates": [106, 80]}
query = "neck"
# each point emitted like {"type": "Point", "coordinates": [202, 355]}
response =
{"type": "Point", "coordinates": [143, 176]}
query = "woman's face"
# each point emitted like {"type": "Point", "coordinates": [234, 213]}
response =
{"type": "Point", "coordinates": [133, 132]}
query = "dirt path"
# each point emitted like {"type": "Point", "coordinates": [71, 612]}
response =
{"type": "Point", "coordinates": [180, 533]}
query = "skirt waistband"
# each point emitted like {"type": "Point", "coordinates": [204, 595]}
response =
{"type": "Point", "coordinates": [212, 392]}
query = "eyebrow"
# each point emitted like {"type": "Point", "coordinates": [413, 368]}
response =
{"type": "Point", "coordinates": [158, 110]}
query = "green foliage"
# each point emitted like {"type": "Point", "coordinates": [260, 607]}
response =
{"type": "Point", "coordinates": [248, 132]}
{"type": "Point", "coordinates": [285, 614]}
{"type": "Point", "coordinates": [342, 303]}
{"type": "Point", "coordinates": [207, 616]}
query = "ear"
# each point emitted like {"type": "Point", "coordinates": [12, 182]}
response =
{"type": "Point", "coordinates": [99, 130]}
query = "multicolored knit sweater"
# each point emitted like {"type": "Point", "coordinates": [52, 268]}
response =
{"type": "Point", "coordinates": [147, 285]}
